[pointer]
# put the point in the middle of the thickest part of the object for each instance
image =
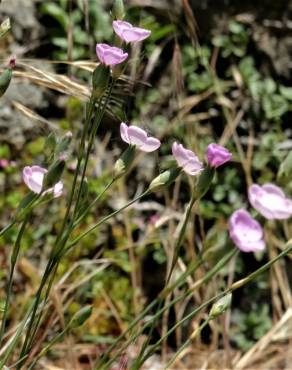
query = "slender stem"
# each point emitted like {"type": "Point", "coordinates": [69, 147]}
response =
{"type": "Point", "coordinates": [160, 311]}
{"type": "Point", "coordinates": [48, 346]}
{"type": "Point", "coordinates": [34, 310]}
{"type": "Point", "coordinates": [213, 271]}
{"type": "Point", "coordinates": [180, 238]}
{"type": "Point", "coordinates": [54, 265]}
{"type": "Point", "coordinates": [13, 261]}
{"type": "Point", "coordinates": [233, 287]}
{"type": "Point", "coordinates": [103, 220]}
{"type": "Point", "coordinates": [187, 342]}
{"type": "Point", "coordinates": [14, 341]}
{"type": "Point", "coordinates": [7, 227]}
{"type": "Point", "coordinates": [79, 160]}
{"type": "Point", "coordinates": [96, 199]}
{"type": "Point", "coordinates": [96, 125]}
{"type": "Point", "coordinates": [60, 234]}
{"type": "Point", "coordinates": [172, 266]}
{"type": "Point", "coordinates": [52, 277]}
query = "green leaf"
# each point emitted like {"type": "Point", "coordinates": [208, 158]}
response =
{"type": "Point", "coordinates": [275, 105]}
{"type": "Point", "coordinates": [236, 27]}
{"type": "Point", "coordinates": [286, 92]}
{"type": "Point", "coordinates": [286, 166]}
{"type": "Point", "coordinates": [57, 13]}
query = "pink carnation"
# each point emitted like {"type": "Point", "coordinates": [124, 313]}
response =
{"type": "Point", "coordinates": [129, 33]}
{"type": "Point", "coordinates": [110, 55]}
{"type": "Point", "coordinates": [246, 232]}
{"type": "Point", "coordinates": [217, 155]}
{"type": "Point", "coordinates": [186, 159]}
{"type": "Point", "coordinates": [270, 201]}
{"type": "Point", "coordinates": [34, 177]}
{"type": "Point", "coordinates": [136, 136]}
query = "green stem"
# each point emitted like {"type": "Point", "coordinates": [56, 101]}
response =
{"type": "Point", "coordinates": [79, 160]}
{"type": "Point", "coordinates": [175, 257]}
{"type": "Point", "coordinates": [7, 227]}
{"type": "Point", "coordinates": [96, 125]}
{"type": "Point", "coordinates": [46, 349]}
{"type": "Point", "coordinates": [54, 265]}
{"type": "Point", "coordinates": [60, 234]}
{"type": "Point", "coordinates": [103, 220]}
{"type": "Point", "coordinates": [97, 198]}
{"type": "Point", "coordinates": [213, 271]}
{"type": "Point", "coordinates": [13, 261]}
{"type": "Point", "coordinates": [180, 237]}
{"type": "Point", "coordinates": [160, 311]}
{"type": "Point", "coordinates": [36, 325]}
{"type": "Point", "coordinates": [17, 336]}
{"type": "Point", "coordinates": [187, 343]}
{"type": "Point", "coordinates": [34, 310]}
{"type": "Point", "coordinates": [233, 287]}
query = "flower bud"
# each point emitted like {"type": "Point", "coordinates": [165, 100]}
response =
{"type": "Point", "coordinates": [100, 80]}
{"type": "Point", "coordinates": [6, 76]}
{"type": "Point", "coordinates": [164, 179]}
{"type": "Point", "coordinates": [124, 162]}
{"type": "Point", "coordinates": [220, 306]}
{"type": "Point", "coordinates": [217, 155]}
{"type": "Point", "coordinates": [81, 316]}
{"type": "Point", "coordinates": [54, 173]}
{"type": "Point", "coordinates": [204, 181]}
{"type": "Point", "coordinates": [5, 26]}
{"type": "Point", "coordinates": [24, 205]}
{"type": "Point", "coordinates": [119, 9]}
{"type": "Point", "coordinates": [51, 142]}
{"type": "Point", "coordinates": [50, 147]}
{"type": "Point", "coordinates": [64, 143]}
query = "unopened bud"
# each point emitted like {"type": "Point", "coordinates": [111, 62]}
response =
{"type": "Point", "coordinates": [220, 306]}
{"type": "Point", "coordinates": [81, 316]}
{"type": "Point", "coordinates": [119, 10]}
{"type": "Point", "coordinates": [5, 26]}
{"type": "Point", "coordinates": [54, 173]}
{"type": "Point", "coordinates": [51, 142]}
{"type": "Point", "coordinates": [100, 80]}
{"type": "Point", "coordinates": [64, 143]}
{"type": "Point", "coordinates": [204, 181]}
{"type": "Point", "coordinates": [124, 162]}
{"type": "Point", "coordinates": [6, 76]}
{"type": "Point", "coordinates": [164, 179]}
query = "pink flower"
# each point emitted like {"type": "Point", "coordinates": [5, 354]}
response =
{"type": "Point", "coordinates": [186, 159]}
{"type": "Point", "coordinates": [4, 163]}
{"type": "Point", "coordinates": [217, 155]}
{"type": "Point", "coordinates": [136, 136]}
{"type": "Point", "coordinates": [129, 33]}
{"type": "Point", "coordinates": [110, 55]}
{"type": "Point", "coordinates": [270, 201]}
{"type": "Point", "coordinates": [34, 176]}
{"type": "Point", "coordinates": [246, 232]}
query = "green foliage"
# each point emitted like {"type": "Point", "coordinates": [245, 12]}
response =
{"type": "Point", "coordinates": [100, 28]}
{"type": "Point", "coordinates": [234, 42]}
{"type": "Point", "coordinates": [251, 326]}
{"type": "Point", "coordinates": [273, 98]}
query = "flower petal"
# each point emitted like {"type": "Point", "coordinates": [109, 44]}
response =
{"type": "Point", "coordinates": [128, 33]}
{"type": "Point", "coordinates": [246, 232]}
{"type": "Point", "coordinates": [270, 201]}
{"type": "Point", "coordinates": [151, 144]}
{"type": "Point", "coordinates": [137, 136]}
{"type": "Point", "coordinates": [124, 132]}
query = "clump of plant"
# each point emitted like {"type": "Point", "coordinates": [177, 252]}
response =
{"type": "Point", "coordinates": [45, 183]}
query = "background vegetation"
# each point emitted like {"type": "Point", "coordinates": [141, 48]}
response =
{"type": "Point", "coordinates": [210, 72]}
